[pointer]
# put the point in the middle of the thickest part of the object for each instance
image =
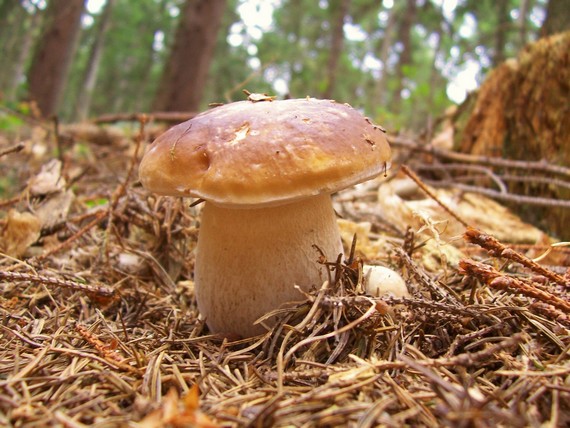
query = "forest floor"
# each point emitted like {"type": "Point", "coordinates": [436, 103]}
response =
{"type": "Point", "coordinates": [98, 323]}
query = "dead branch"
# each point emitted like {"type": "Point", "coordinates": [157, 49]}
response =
{"type": "Point", "coordinates": [540, 166]}
{"type": "Point", "coordinates": [509, 197]}
{"type": "Point", "coordinates": [535, 179]}
{"type": "Point", "coordinates": [462, 167]}
{"type": "Point", "coordinates": [159, 116]}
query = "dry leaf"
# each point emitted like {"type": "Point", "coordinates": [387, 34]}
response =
{"type": "Point", "coordinates": [55, 208]}
{"type": "Point", "coordinates": [49, 179]}
{"type": "Point", "coordinates": [21, 231]}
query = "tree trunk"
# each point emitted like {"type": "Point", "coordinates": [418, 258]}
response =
{"type": "Point", "coordinates": [10, 13]}
{"type": "Point", "coordinates": [383, 56]}
{"type": "Point", "coordinates": [405, 37]}
{"type": "Point", "coordinates": [53, 55]}
{"type": "Point", "coordinates": [339, 12]}
{"type": "Point", "coordinates": [17, 34]}
{"type": "Point", "coordinates": [296, 9]}
{"type": "Point", "coordinates": [557, 18]}
{"type": "Point", "coordinates": [90, 76]}
{"type": "Point", "coordinates": [435, 76]}
{"type": "Point", "coordinates": [502, 8]}
{"type": "Point", "coordinates": [187, 68]}
{"type": "Point", "coordinates": [148, 60]}
{"type": "Point", "coordinates": [523, 12]}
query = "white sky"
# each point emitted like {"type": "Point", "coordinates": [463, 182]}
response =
{"type": "Point", "coordinates": [256, 18]}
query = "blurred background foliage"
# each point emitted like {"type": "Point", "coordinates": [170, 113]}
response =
{"type": "Point", "coordinates": [403, 62]}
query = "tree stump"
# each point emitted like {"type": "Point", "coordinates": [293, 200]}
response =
{"type": "Point", "coordinates": [522, 111]}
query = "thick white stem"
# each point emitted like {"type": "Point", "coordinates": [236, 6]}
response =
{"type": "Point", "coordinates": [248, 260]}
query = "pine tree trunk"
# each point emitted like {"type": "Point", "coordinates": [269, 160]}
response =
{"type": "Point", "coordinates": [297, 10]}
{"type": "Point", "coordinates": [17, 70]}
{"type": "Point", "coordinates": [340, 12]}
{"type": "Point", "coordinates": [146, 86]}
{"type": "Point", "coordinates": [405, 37]}
{"type": "Point", "coordinates": [557, 17]}
{"type": "Point", "coordinates": [53, 55]}
{"type": "Point", "coordinates": [16, 29]}
{"type": "Point", "coordinates": [523, 12]}
{"type": "Point", "coordinates": [502, 8]}
{"type": "Point", "coordinates": [435, 75]}
{"type": "Point", "coordinates": [383, 56]}
{"type": "Point", "coordinates": [90, 76]}
{"type": "Point", "coordinates": [186, 71]}
{"type": "Point", "coordinates": [9, 13]}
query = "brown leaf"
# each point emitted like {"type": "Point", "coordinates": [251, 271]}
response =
{"type": "Point", "coordinates": [49, 179]}
{"type": "Point", "coordinates": [21, 231]}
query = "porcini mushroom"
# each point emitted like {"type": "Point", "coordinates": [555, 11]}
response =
{"type": "Point", "coordinates": [266, 171]}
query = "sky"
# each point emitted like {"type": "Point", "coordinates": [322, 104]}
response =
{"type": "Point", "coordinates": [256, 16]}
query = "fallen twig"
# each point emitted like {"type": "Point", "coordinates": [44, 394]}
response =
{"type": "Point", "coordinates": [541, 166]}
{"type": "Point", "coordinates": [500, 281]}
{"type": "Point", "coordinates": [161, 116]}
{"type": "Point", "coordinates": [494, 194]}
{"type": "Point", "coordinates": [497, 249]}
{"type": "Point", "coordinates": [98, 290]}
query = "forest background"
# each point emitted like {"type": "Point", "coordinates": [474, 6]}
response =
{"type": "Point", "coordinates": [402, 62]}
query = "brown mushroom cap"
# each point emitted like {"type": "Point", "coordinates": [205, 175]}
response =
{"type": "Point", "coordinates": [266, 153]}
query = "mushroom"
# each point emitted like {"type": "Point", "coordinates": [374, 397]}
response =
{"type": "Point", "coordinates": [266, 171]}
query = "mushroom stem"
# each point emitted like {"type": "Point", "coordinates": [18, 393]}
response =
{"type": "Point", "coordinates": [248, 260]}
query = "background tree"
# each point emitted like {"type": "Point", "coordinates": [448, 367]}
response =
{"type": "Point", "coordinates": [230, 71]}
{"type": "Point", "coordinates": [557, 17]}
{"type": "Point", "coordinates": [405, 58]}
{"type": "Point", "coordinates": [132, 59]}
{"type": "Point", "coordinates": [186, 70]}
{"type": "Point", "coordinates": [522, 22]}
{"type": "Point", "coordinates": [398, 61]}
{"type": "Point", "coordinates": [54, 53]}
{"type": "Point", "coordinates": [18, 29]}
{"type": "Point", "coordinates": [384, 46]}
{"type": "Point", "coordinates": [90, 75]}
{"type": "Point", "coordinates": [503, 21]}
{"type": "Point", "coordinates": [339, 11]}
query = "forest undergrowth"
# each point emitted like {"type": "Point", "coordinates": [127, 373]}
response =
{"type": "Point", "coordinates": [99, 327]}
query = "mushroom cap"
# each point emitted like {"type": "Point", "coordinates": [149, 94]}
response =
{"type": "Point", "coordinates": [266, 153]}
